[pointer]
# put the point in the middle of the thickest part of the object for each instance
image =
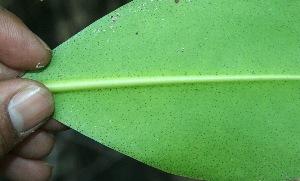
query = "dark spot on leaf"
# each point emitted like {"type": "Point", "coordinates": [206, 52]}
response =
{"type": "Point", "coordinates": [176, 1]}
{"type": "Point", "coordinates": [137, 33]}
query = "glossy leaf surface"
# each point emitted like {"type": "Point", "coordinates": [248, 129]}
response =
{"type": "Point", "coordinates": [206, 89]}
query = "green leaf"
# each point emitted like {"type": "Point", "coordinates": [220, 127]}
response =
{"type": "Point", "coordinates": [206, 89]}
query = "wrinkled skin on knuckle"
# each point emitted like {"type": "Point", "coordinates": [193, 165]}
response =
{"type": "Point", "coordinates": [3, 143]}
{"type": "Point", "coordinates": [8, 137]}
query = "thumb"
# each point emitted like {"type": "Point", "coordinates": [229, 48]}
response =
{"type": "Point", "coordinates": [24, 106]}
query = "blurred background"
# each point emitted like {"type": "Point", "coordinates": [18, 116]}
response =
{"type": "Point", "coordinates": [76, 157]}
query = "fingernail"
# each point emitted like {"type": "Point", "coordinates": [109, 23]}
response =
{"type": "Point", "coordinates": [43, 43]}
{"type": "Point", "coordinates": [29, 107]}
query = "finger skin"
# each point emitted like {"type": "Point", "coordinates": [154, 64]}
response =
{"type": "Point", "coordinates": [8, 136]}
{"type": "Point", "coordinates": [36, 146]}
{"type": "Point", "coordinates": [54, 125]}
{"type": "Point", "coordinates": [21, 169]}
{"type": "Point", "coordinates": [8, 72]}
{"type": "Point", "coordinates": [19, 47]}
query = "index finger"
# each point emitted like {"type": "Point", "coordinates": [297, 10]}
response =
{"type": "Point", "coordinates": [19, 47]}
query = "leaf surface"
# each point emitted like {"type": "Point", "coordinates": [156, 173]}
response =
{"type": "Point", "coordinates": [206, 89]}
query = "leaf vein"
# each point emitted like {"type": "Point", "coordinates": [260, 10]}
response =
{"type": "Point", "coordinates": [89, 84]}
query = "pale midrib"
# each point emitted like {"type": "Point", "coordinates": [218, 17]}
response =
{"type": "Point", "coordinates": [78, 85]}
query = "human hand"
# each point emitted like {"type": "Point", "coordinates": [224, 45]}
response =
{"type": "Point", "coordinates": [26, 106]}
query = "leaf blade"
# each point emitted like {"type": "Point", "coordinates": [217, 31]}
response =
{"type": "Point", "coordinates": [217, 130]}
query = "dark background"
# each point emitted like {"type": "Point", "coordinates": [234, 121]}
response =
{"type": "Point", "coordinates": [76, 157]}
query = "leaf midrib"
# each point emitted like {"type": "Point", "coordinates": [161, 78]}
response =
{"type": "Point", "coordinates": [90, 84]}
